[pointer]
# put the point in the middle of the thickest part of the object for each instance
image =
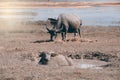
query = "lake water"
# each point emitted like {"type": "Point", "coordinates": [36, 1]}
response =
{"type": "Point", "coordinates": [92, 16]}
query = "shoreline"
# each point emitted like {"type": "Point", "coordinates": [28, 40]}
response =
{"type": "Point", "coordinates": [56, 4]}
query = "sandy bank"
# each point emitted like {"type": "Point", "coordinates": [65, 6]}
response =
{"type": "Point", "coordinates": [56, 4]}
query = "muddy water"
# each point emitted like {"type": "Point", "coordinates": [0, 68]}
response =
{"type": "Point", "coordinates": [91, 64]}
{"type": "Point", "coordinates": [92, 16]}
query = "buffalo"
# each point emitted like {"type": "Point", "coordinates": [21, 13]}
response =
{"type": "Point", "coordinates": [65, 23]}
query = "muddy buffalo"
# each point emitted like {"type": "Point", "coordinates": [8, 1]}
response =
{"type": "Point", "coordinates": [65, 23]}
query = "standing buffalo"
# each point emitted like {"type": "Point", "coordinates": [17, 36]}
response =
{"type": "Point", "coordinates": [66, 23]}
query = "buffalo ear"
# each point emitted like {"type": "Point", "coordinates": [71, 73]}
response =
{"type": "Point", "coordinates": [53, 21]}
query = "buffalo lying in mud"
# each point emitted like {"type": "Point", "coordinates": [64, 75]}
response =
{"type": "Point", "coordinates": [66, 23]}
{"type": "Point", "coordinates": [45, 57]}
{"type": "Point", "coordinates": [54, 59]}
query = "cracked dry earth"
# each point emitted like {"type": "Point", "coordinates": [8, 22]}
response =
{"type": "Point", "coordinates": [20, 47]}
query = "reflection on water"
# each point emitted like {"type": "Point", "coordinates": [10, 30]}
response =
{"type": "Point", "coordinates": [103, 16]}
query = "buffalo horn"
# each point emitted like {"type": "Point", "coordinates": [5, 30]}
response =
{"type": "Point", "coordinates": [59, 30]}
{"type": "Point", "coordinates": [47, 28]}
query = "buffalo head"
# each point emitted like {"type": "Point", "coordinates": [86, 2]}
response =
{"type": "Point", "coordinates": [53, 32]}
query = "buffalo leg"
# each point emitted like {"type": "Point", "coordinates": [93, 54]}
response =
{"type": "Point", "coordinates": [55, 36]}
{"type": "Point", "coordinates": [51, 38]}
{"type": "Point", "coordinates": [62, 34]}
{"type": "Point", "coordinates": [75, 34]}
{"type": "Point", "coordinates": [65, 35]}
{"type": "Point", "coordinates": [79, 32]}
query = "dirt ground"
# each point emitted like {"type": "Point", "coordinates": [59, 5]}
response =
{"type": "Point", "coordinates": [20, 46]}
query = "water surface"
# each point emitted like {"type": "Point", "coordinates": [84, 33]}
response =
{"type": "Point", "coordinates": [92, 16]}
{"type": "Point", "coordinates": [103, 16]}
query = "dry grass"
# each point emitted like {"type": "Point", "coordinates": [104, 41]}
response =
{"type": "Point", "coordinates": [19, 54]}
